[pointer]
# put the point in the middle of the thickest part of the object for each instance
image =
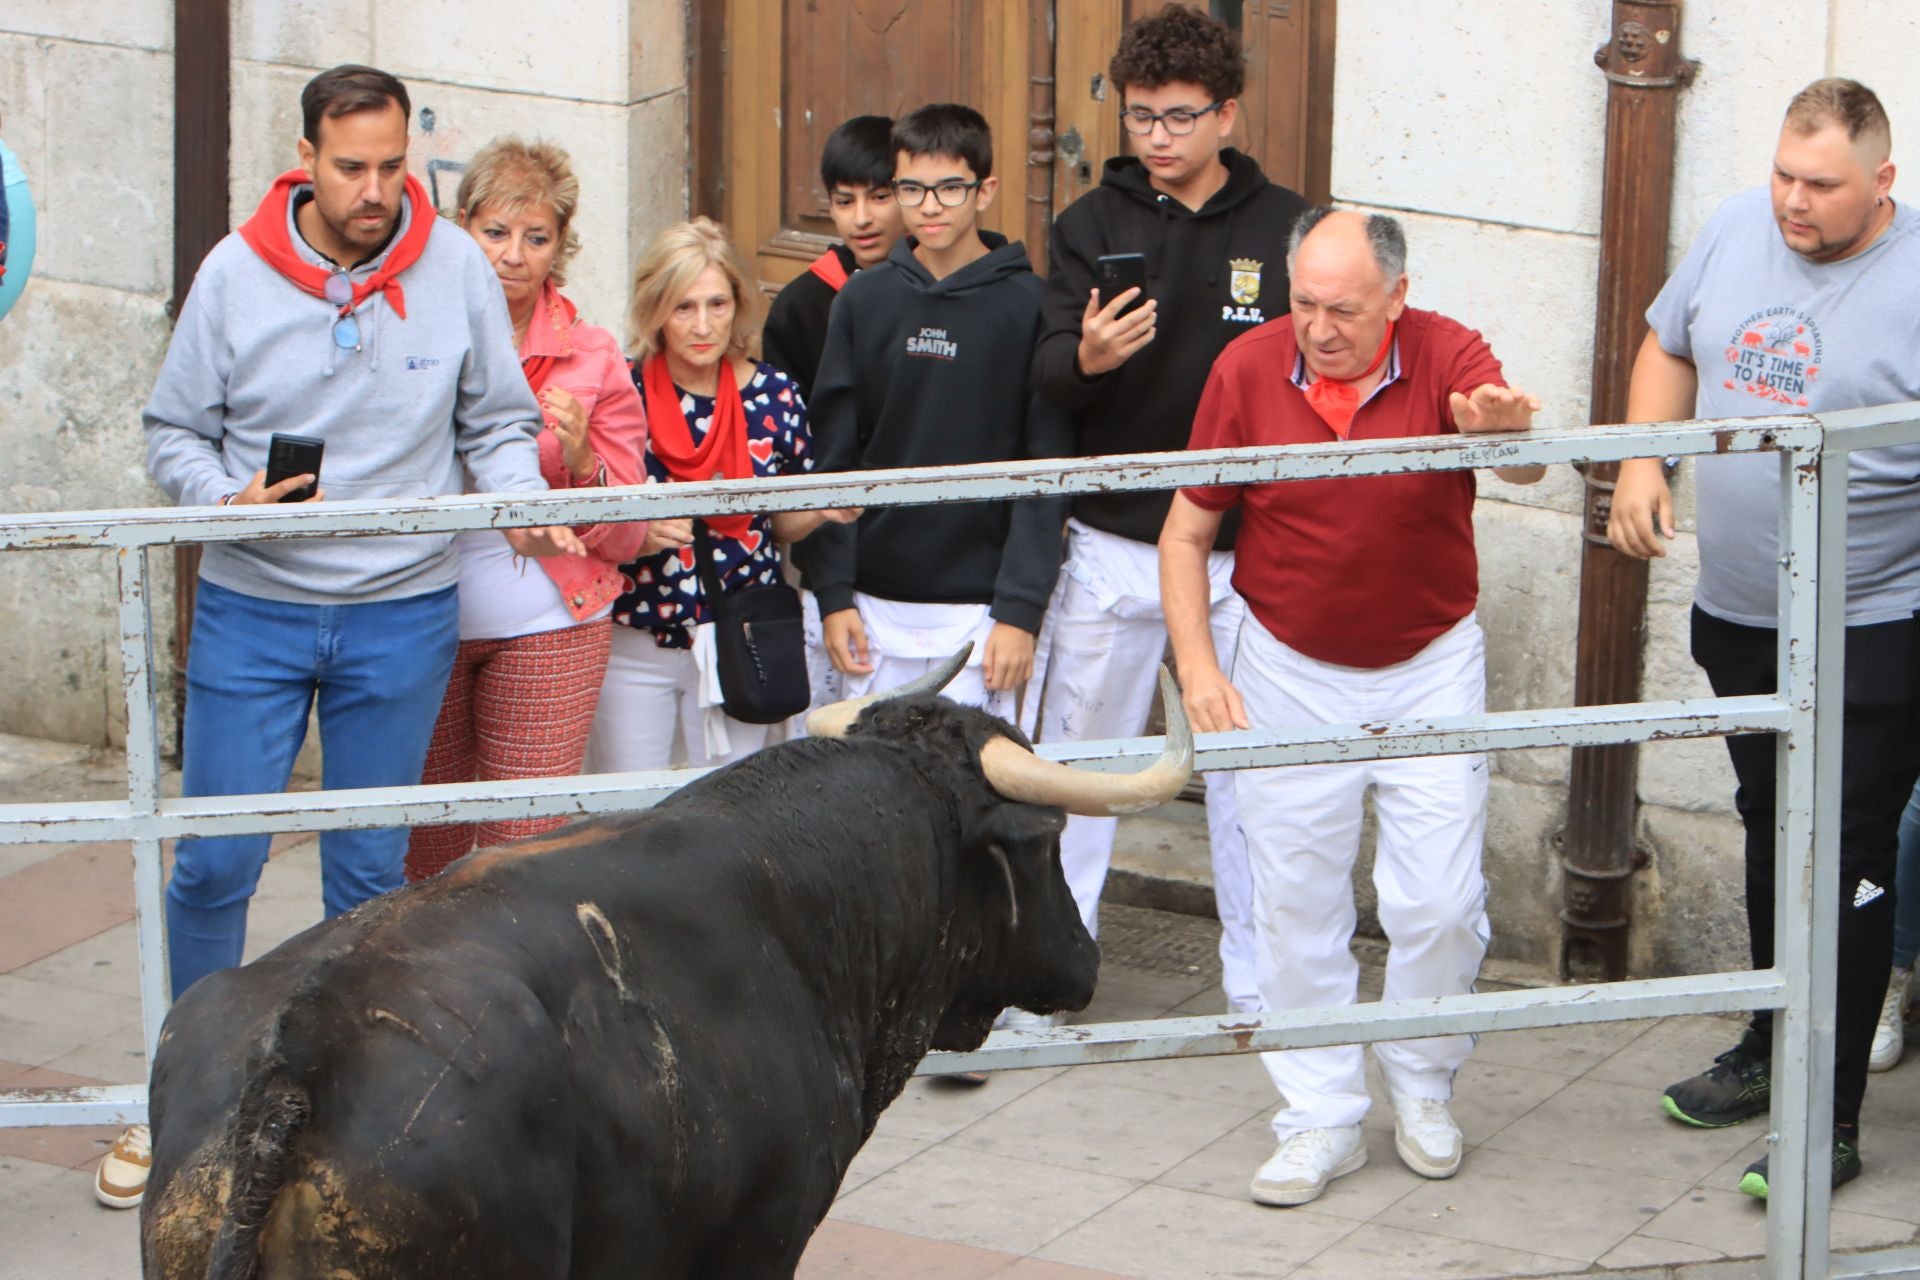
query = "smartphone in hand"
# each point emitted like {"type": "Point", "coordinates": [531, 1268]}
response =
{"type": "Point", "coordinates": [1119, 272]}
{"type": "Point", "coordinates": [289, 456]}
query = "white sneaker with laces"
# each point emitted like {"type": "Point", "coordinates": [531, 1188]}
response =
{"type": "Point", "coordinates": [121, 1180]}
{"type": "Point", "coordinates": [1300, 1169]}
{"type": "Point", "coordinates": [1426, 1137]}
{"type": "Point", "coordinates": [1890, 1035]}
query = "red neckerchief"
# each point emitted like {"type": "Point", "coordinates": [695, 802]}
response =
{"type": "Point", "coordinates": [722, 453]}
{"type": "Point", "coordinates": [829, 268]}
{"type": "Point", "coordinates": [266, 233]}
{"type": "Point", "coordinates": [560, 313]}
{"type": "Point", "coordinates": [1336, 400]}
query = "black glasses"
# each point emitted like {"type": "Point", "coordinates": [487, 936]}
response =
{"type": "Point", "coordinates": [1179, 121]}
{"type": "Point", "coordinates": [951, 193]}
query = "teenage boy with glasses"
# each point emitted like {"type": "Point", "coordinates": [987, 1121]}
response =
{"type": "Point", "coordinates": [1214, 234]}
{"type": "Point", "coordinates": [926, 365]}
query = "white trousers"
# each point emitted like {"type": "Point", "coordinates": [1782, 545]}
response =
{"type": "Point", "coordinates": [1303, 836]}
{"type": "Point", "coordinates": [906, 640]}
{"type": "Point", "coordinates": [825, 684]}
{"type": "Point", "coordinates": [650, 716]}
{"type": "Point", "coordinates": [1105, 635]}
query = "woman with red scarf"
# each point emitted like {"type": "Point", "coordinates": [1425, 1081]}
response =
{"type": "Point", "coordinates": [712, 412]}
{"type": "Point", "coordinates": [534, 633]}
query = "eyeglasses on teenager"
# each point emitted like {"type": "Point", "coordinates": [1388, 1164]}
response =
{"type": "Point", "coordinates": [1179, 121]}
{"type": "Point", "coordinates": [951, 193]}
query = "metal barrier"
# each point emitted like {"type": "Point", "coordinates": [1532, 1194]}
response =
{"type": "Point", "coordinates": [1805, 715]}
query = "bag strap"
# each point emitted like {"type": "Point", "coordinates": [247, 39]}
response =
{"type": "Point", "coordinates": [703, 564]}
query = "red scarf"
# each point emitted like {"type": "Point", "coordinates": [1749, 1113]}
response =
{"type": "Point", "coordinates": [829, 268]}
{"type": "Point", "coordinates": [722, 454]}
{"type": "Point", "coordinates": [560, 313]}
{"type": "Point", "coordinates": [266, 233]}
{"type": "Point", "coordinates": [1336, 400]}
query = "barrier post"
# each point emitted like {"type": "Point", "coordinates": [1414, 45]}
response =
{"type": "Point", "coordinates": [143, 786]}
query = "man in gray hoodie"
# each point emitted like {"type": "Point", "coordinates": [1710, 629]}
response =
{"type": "Point", "coordinates": [344, 309]}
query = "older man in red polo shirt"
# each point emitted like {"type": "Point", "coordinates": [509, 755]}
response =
{"type": "Point", "coordinates": [1361, 594]}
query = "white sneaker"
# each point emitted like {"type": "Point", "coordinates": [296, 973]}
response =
{"type": "Point", "coordinates": [1016, 1019]}
{"type": "Point", "coordinates": [121, 1180]}
{"type": "Point", "coordinates": [1426, 1137]}
{"type": "Point", "coordinates": [1300, 1169]}
{"type": "Point", "coordinates": [1890, 1036]}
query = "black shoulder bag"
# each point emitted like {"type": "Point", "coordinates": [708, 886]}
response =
{"type": "Point", "coordinates": [759, 643]}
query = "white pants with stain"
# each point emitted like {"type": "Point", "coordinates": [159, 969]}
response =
{"type": "Point", "coordinates": [1303, 837]}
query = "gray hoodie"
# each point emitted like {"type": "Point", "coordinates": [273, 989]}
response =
{"type": "Point", "coordinates": [252, 355]}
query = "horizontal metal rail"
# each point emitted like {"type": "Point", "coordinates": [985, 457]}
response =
{"type": "Point", "coordinates": [162, 526]}
{"type": "Point", "coordinates": [282, 812]}
{"type": "Point", "coordinates": [1215, 1034]}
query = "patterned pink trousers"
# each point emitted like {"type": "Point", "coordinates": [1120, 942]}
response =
{"type": "Point", "coordinates": [518, 708]}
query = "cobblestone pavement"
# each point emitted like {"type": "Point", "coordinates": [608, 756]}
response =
{"type": "Point", "coordinates": [1126, 1170]}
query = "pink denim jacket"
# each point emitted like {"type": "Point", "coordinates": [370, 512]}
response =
{"type": "Point", "coordinates": [592, 367]}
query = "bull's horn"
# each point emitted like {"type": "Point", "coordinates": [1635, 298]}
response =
{"type": "Point", "coordinates": [1020, 775]}
{"type": "Point", "coordinates": [834, 719]}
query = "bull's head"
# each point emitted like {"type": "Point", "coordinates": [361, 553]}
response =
{"type": "Point", "coordinates": [1045, 960]}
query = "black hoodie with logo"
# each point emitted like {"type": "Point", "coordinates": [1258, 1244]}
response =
{"type": "Point", "coordinates": [920, 372]}
{"type": "Point", "coordinates": [1216, 273]}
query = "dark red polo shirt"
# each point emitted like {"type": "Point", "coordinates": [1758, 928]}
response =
{"type": "Point", "coordinates": [1362, 571]}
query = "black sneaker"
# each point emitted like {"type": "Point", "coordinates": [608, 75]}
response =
{"type": "Point", "coordinates": [1739, 1085]}
{"type": "Point", "coordinates": [1846, 1167]}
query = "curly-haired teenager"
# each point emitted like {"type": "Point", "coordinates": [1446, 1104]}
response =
{"type": "Point", "coordinates": [1214, 233]}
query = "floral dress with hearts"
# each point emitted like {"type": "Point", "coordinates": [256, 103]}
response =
{"type": "Point", "coordinates": [663, 592]}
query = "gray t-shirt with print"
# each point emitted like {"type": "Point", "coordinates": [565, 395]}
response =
{"type": "Point", "coordinates": [1771, 333]}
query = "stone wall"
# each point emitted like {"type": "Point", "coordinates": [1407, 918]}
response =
{"type": "Point", "coordinates": [1485, 131]}
{"type": "Point", "coordinates": [90, 116]}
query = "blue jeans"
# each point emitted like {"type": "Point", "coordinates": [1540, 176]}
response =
{"type": "Point", "coordinates": [1906, 887]}
{"type": "Point", "coordinates": [254, 669]}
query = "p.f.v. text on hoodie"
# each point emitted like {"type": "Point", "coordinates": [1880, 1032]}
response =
{"type": "Point", "coordinates": [1216, 272]}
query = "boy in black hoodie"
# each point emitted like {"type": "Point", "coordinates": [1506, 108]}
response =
{"type": "Point", "coordinates": [856, 168]}
{"type": "Point", "coordinates": [1214, 234]}
{"type": "Point", "coordinates": [927, 364]}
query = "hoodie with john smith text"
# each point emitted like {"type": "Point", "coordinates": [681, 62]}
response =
{"type": "Point", "coordinates": [921, 372]}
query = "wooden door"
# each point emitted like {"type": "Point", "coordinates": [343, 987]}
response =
{"type": "Point", "coordinates": [1286, 118]}
{"type": "Point", "coordinates": [794, 69]}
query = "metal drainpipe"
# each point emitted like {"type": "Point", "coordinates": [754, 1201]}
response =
{"type": "Point", "coordinates": [1645, 72]}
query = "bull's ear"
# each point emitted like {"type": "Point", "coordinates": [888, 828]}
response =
{"type": "Point", "coordinates": [1018, 841]}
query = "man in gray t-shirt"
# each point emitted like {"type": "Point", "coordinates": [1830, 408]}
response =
{"type": "Point", "coordinates": [1798, 297]}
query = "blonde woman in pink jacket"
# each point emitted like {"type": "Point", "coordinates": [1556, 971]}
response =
{"type": "Point", "coordinates": [534, 634]}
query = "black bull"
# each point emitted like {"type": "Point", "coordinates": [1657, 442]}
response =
{"type": "Point", "coordinates": [640, 1047]}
